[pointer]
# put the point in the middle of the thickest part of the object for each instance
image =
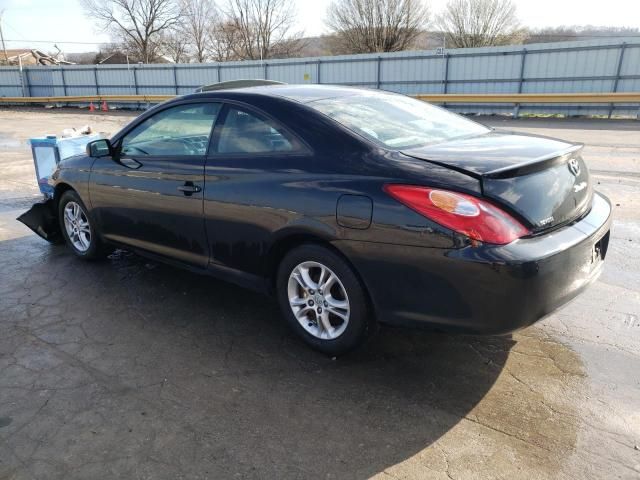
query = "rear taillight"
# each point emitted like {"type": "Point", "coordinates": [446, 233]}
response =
{"type": "Point", "coordinates": [465, 214]}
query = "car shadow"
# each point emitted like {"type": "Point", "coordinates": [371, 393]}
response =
{"type": "Point", "coordinates": [195, 377]}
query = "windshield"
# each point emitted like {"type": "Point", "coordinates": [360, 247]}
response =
{"type": "Point", "coordinates": [396, 121]}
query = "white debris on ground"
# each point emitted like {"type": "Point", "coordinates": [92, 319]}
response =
{"type": "Point", "coordinates": [76, 132]}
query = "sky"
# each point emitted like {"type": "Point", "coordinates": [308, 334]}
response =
{"type": "Point", "coordinates": [60, 21]}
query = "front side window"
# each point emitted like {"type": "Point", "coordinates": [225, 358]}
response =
{"type": "Point", "coordinates": [179, 130]}
{"type": "Point", "coordinates": [395, 121]}
{"type": "Point", "coordinates": [245, 132]}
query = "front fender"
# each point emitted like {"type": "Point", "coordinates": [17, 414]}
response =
{"type": "Point", "coordinates": [74, 172]}
{"type": "Point", "coordinates": [42, 218]}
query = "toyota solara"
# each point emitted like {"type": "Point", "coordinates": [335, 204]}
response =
{"type": "Point", "coordinates": [352, 207]}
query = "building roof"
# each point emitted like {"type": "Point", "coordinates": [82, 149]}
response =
{"type": "Point", "coordinates": [31, 56]}
{"type": "Point", "coordinates": [12, 52]}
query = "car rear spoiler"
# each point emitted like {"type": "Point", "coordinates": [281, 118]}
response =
{"type": "Point", "coordinates": [231, 84]}
{"type": "Point", "coordinates": [536, 164]}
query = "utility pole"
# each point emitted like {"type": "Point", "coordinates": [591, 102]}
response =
{"type": "Point", "coordinates": [4, 48]}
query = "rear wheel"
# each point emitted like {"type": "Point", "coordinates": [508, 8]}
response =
{"type": "Point", "coordinates": [77, 229]}
{"type": "Point", "coordinates": [322, 299]}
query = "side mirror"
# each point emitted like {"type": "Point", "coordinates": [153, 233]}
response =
{"type": "Point", "coordinates": [99, 148]}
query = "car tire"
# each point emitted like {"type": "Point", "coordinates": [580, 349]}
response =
{"type": "Point", "coordinates": [333, 320]}
{"type": "Point", "coordinates": [78, 228]}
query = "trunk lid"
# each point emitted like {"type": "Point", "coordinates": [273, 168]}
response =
{"type": "Point", "coordinates": [543, 181]}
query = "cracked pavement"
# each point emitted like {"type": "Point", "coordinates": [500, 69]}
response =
{"type": "Point", "coordinates": [133, 369]}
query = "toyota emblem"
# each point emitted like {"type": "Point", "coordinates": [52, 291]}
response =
{"type": "Point", "coordinates": [574, 166]}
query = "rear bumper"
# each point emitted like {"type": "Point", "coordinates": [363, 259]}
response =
{"type": "Point", "coordinates": [485, 289]}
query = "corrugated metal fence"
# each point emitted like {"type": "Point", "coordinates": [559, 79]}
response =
{"type": "Point", "coordinates": [604, 65]}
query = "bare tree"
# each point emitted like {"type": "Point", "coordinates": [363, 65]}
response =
{"type": "Point", "coordinates": [175, 45]}
{"type": "Point", "coordinates": [261, 28]}
{"type": "Point", "coordinates": [199, 16]}
{"type": "Point", "coordinates": [480, 23]}
{"type": "Point", "coordinates": [139, 23]}
{"type": "Point", "coordinates": [366, 26]}
{"type": "Point", "coordinates": [222, 37]}
{"type": "Point", "coordinates": [125, 45]}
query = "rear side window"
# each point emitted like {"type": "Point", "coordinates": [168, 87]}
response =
{"type": "Point", "coordinates": [179, 130]}
{"type": "Point", "coordinates": [246, 132]}
{"type": "Point", "coordinates": [395, 121]}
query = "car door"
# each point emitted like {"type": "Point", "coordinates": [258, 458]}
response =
{"type": "Point", "coordinates": [151, 195]}
{"type": "Point", "coordinates": [254, 170]}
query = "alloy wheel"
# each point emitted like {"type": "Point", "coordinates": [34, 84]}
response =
{"type": "Point", "coordinates": [318, 300]}
{"type": "Point", "coordinates": [77, 226]}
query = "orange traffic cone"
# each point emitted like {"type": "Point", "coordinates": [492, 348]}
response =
{"type": "Point", "coordinates": [104, 107]}
{"type": "Point", "coordinates": [91, 107]}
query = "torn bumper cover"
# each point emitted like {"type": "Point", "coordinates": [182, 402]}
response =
{"type": "Point", "coordinates": [42, 218]}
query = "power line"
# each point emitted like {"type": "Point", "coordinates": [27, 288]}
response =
{"type": "Point", "coordinates": [533, 36]}
{"type": "Point", "coordinates": [60, 41]}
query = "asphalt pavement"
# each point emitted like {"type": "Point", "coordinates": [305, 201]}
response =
{"type": "Point", "coordinates": [133, 369]}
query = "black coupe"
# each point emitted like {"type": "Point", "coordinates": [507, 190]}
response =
{"type": "Point", "coordinates": [351, 206]}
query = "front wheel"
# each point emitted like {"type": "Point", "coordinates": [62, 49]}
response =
{"type": "Point", "coordinates": [77, 229]}
{"type": "Point", "coordinates": [323, 299]}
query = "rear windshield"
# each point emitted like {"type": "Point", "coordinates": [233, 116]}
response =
{"type": "Point", "coordinates": [396, 121]}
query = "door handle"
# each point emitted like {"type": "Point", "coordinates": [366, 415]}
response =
{"type": "Point", "coordinates": [189, 188]}
{"type": "Point", "coordinates": [130, 163]}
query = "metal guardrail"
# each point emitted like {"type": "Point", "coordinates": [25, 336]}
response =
{"type": "Point", "coordinates": [516, 99]}
{"type": "Point", "coordinates": [520, 98]}
{"type": "Point", "coordinates": [88, 99]}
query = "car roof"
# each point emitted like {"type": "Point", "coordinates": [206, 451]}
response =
{"type": "Point", "coordinates": [298, 93]}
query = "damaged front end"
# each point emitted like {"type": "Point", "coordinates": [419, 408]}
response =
{"type": "Point", "coordinates": [48, 152]}
{"type": "Point", "coordinates": [42, 218]}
